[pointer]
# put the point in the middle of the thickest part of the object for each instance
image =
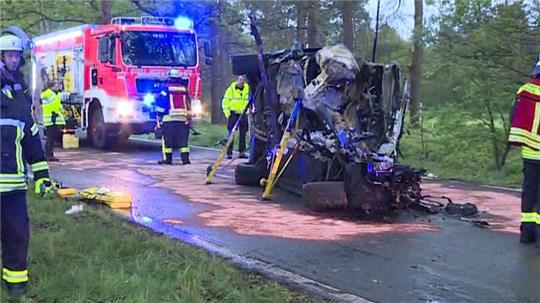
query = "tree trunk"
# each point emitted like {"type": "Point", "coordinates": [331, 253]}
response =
{"type": "Point", "coordinates": [347, 13]}
{"type": "Point", "coordinates": [313, 25]}
{"type": "Point", "coordinates": [216, 82]}
{"type": "Point", "coordinates": [301, 10]}
{"type": "Point", "coordinates": [105, 11]}
{"type": "Point", "coordinates": [493, 135]}
{"type": "Point", "coordinates": [225, 63]}
{"type": "Point", "coordinates": [41, 24]}
{"type": "Point", "coordinates": [416, 67]}
{"type": "Point", "coordinates": [215, 79]}
{"type": "Point", "coordinates": [507, 133]}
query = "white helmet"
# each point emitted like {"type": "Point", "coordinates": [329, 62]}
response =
{"type": "Point", "coordinates": [10, 43]}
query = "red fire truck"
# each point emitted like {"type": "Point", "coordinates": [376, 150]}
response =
{"type": "Point", "coordinates": [111, 74]}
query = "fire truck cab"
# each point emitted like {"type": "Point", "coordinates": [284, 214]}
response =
{"type": "Point", "coordinates": [111, 74]}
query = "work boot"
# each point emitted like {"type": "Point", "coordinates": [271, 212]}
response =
{"type": "Point", "coordinates": [52, 159]}
{"type": "Point", "coordinates": [229, 156]}
{"type": "Point", "coordinates": [167, 160]}
{"type": "Point", "coordinates": [185, 158]}
{"type": "Point", "coordinates": [527, 235]}
{"type": "Point", "coordinates": [242, 156]}
{"type": "Point", "coordinates": [16, 290]}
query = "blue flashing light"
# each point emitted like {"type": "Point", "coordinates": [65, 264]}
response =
{"type": "Point", "coordinates": [149, 99]}
{"type": "Point", "coordinates": [183, 23]}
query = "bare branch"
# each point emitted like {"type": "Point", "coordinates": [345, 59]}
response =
{"type": "Point", "coordinates": [147, 10]}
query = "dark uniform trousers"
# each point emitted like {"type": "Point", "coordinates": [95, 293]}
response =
{"type": "Point", "coordinates": [530, 200]}
{"type": "Point", "coordinates": [52, 133]}
{"type": "Point", "coordinates": [243, 127]}
{"type": "Point", "coordinates": [175, 136]}
{"type": "Point", "coordinates": [15, 232]}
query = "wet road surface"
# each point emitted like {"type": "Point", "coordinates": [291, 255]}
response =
{"type": "Point", "coordinates": [413, 259]}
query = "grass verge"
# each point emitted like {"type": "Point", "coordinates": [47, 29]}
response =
{"type": "Point", "coordinates": [210, 133]}
{"type": "Point", "coordinates": [461, 159]}
{"type": "Point", "coordinates": [96, 257]}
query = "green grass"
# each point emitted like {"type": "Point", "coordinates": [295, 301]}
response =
{"type": "Point", "coordinates": [97, 257]}
{"type": "Point", "coordinates": [467, 159]}
{"type": "Point", "coordinates": [210, 133]}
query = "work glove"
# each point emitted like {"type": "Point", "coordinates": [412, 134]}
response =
{"type": "Point", "coordinates": [53, 117]}
{"type": "Point", "coordinates": [43, 186]}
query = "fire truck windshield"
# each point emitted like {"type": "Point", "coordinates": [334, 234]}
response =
{"type": "Point", "coordinates": [159, 49]}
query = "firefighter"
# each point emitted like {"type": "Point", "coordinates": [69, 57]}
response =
{"type": "Point", "coordinates": [233, 104]}
{"type": "Point", "coordinates": [20, 145]}
{"type": "Point", "coordinates": [525, 133]}
{"type": "Point", "coordinates": [174, 118]}
{"type": "Point", "coordinates": [53, 119]}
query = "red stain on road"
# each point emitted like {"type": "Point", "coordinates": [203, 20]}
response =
{"type": "Point", "coordinates": [239, 208]}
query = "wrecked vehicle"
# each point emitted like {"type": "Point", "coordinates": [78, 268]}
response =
{"type": "Point", "coordinates": [343, 147]}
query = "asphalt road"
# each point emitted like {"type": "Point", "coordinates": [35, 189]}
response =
{"type": "Point", "coordinates": [425, 258]}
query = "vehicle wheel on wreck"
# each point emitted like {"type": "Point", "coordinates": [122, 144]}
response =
{"type": "Point", "coordinates": [344, 147]}
{"type": "Point", "coordinates": [247, 174]}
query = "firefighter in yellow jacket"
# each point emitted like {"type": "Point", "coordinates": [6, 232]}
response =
{"type": "Point", "coordinates": [174, 118]}
{"type": "Point", "coordinates": [233, 104]}
{"type": "Point", "coordinates": [20, 146]}
{"type": "Point", "coordinates": [525, 132]}
{"type": "Point", "coordinates": [53, 119]}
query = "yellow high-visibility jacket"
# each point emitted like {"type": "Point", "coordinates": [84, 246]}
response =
{"type": "Point", "coordinates": [51, 103]}
{"type": "Point", "coordinates": [235, 100]}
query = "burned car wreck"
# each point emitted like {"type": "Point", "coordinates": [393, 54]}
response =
{"type": "Point", "coordinates": [342, 145]}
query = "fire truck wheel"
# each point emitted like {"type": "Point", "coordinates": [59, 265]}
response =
{"type": "Point", "coordinates": [247, 174]}
{"type": "Point", "coordinates": [320, 196]}
{"type": "Point", "coordinates": [122, 139]}
{"type": "Point", "coordinates": [99, 131]}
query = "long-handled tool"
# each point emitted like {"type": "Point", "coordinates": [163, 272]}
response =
{"type": "Point", "coordinates": [230, 138]}
{"type": "Point", "coordinates": [194, 131]}
{"type": "Point", "coordinates": [282, 146]}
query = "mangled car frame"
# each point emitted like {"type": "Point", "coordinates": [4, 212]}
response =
{"type": "Point", "coordinates": [328, 128]}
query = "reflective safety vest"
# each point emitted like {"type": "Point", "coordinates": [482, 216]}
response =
{"type": "Point", "coordinates": [525, 130]}
{"type": "Point", "coordinates": [51, 102]}
{"type": "Point", "coordinates": [176, 104]}
{"type": "Point", "coordinates": [20, 143]}
{"type": "Point", "coordinates": [235, 100]}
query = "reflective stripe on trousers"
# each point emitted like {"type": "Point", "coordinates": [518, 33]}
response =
{"type": "Point", "coordinates": [13, 276]}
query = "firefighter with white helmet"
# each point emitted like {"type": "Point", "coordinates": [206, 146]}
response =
{"type": "Point", "coordinates": [174, 116]}
{"type": "Point", "coordinates": [20, 145]}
